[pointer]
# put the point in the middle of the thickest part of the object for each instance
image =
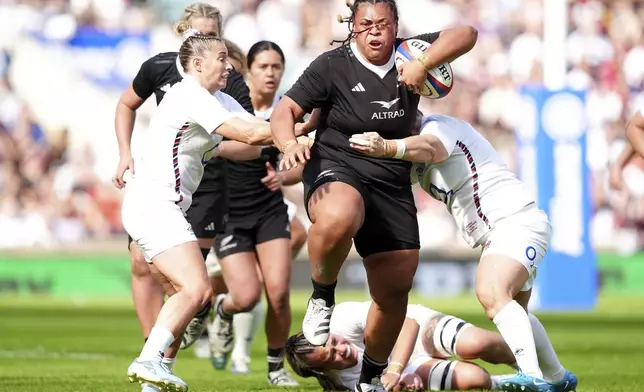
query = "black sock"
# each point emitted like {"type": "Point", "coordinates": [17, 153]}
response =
{"type": "Point", "coordinates": [275, 359]}
{"type": "Point", "coordinates": [204, 311]}
{"type": "Point", "coordinates": [204, 252]}
{"type": "Point", "coordinates": [370, 369]}
{"type": "Point", "coordinates": [324, 291]}
{"type": "Point", "coordinates": [222, 313]}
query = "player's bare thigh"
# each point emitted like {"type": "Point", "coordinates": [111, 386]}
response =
{"type": "Point", "coordinates": [440, 375]}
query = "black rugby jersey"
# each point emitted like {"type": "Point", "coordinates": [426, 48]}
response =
{"type": "Point", "coordinates": [354, 99]}
{"type": "Point", "coordinates": [247, 195]}
{"type": "Point", "coordinates": [161, 72]}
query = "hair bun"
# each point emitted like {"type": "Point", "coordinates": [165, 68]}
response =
{"type": "Point", "coordinates": [190, 32]}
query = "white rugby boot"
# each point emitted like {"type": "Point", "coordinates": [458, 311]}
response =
{"type": "Point", "coordinates": [154, 373]}
{"type": "Point", "coordinates": [145, 387]}
{"type": "Point", "coordinates": [202, 347]}
{"type": "Point", "coordinates": [317, 321]}
{"type": "Point", "coordinates": [239, 364]}
{"type": "Point", "coordinates": [374, 386]}
{"type": "Point", "coordinates": [220, 331]}
{"type": "Point", "coordinates": [194, 330]}
{"type": "Point", "coordinates": [281, 378]}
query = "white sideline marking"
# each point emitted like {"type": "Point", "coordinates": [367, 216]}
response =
{"type": "Point", "coordinates": [41, 353]}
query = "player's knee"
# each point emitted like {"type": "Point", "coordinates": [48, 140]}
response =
{"type": "Point", "coordinates": [469, 376]}
{"type": "Point", "coordinates": [245, 300]}
{"type": "Point", "coordinates": [336, 224]}
{"type": "Point", "coordinates": [492, 298]}
{"type": "Point", "coordinates": [206, 296]}
{"type": "Point", "coordinates": [279, 300]}
{"type": "Point", "coordinates": [472, 344]}
{"type": "Point", "coordinates": [390, 298]}
{"type": "Point", "coordinates": [139, 266]}
{"type": "Point", "coordinates": [198, 293]}
{"type": "Point", "coordinates": [394, 294]}
{"type": "Point", "coordinates": [201, 290]}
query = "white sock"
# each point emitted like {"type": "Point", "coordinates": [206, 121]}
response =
{"type": "Point", "coordinates": [552, 369]}
{"type": "Point", "coordinates": [246, 326]}
{"type": "Point", "coordinates": [514, 325]}
{"type": "Point", "coordinates": [158, 342]}
{"type": "Point", "coordinates": [169, 362]}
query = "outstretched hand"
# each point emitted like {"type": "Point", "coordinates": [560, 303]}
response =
{"type": "Point", "coordinates": [294, 154]}
{"type": "Point", "coordinates": [368, 143]}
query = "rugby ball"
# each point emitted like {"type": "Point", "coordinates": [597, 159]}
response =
{"type": "Point", "coordinates": [439, 80]}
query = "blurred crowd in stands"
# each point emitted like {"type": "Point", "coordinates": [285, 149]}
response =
{"type": "Point", "coordinates": [54, 181]}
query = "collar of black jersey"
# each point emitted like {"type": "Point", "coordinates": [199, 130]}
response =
{"type": "Point", "coordinates": [380, 70]}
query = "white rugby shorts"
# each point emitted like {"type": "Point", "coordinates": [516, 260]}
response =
{"type": "Point", "coordinates": [524, 237]}
{"type": "Point", "coordinates": [422, 315]}
{"type": "Point", "coordinates": [291, 209]}
{"type": "Point", "coordinates": [212, 265]}
{"type": "Point", "coordinates": [155, 225]}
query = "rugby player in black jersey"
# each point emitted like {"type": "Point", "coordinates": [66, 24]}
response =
{"type": "Point", "coordinates": [257, 233]}
{"type": "Point", "coordinates": [353, 197]}
{"type": "Point", "coordinates": [210, 202]}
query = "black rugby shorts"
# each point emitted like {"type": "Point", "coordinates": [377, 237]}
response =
{"type": "Point", "coordinates": [243, 234]}
{"type": "Point", "coordinates": [208, 213]}
{"type": "Point", "coordinates": [390, 213]}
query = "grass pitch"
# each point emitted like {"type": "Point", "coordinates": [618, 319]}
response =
{"type": "Point", "coordinates": [72, 346]}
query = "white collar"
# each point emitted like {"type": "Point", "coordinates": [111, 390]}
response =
{"type": "Point", "coordinates": [267, 113]}
{"type": "Point", "coordinates": [380, 70]}
{"type": "Point", "coordinates": [179, 67]}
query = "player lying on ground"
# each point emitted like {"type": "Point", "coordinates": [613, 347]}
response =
{"type": "Point", "coordinates": [418, 359]}
{"type": "Point", "coordinates": [458, 166]}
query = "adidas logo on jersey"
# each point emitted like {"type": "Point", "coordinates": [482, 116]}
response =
{"type": "Point", "coordinates": [358, 87]}
{"type": "Point", "coordinates": [210, 227]}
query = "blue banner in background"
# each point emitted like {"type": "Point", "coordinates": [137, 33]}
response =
{"type": "Point", "coordinates": [552, 164]}
{"type": "Point", "coordinates": [109, 59]}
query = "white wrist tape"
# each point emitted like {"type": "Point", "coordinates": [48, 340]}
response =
{"type": "Point", "coordinates": [401, 147]}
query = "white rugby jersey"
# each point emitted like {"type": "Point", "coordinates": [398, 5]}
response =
{"type": "Point", "coordinates": [474, 182]}
{"type": "Point", "coordinates": [349, 320]}
{"type": "Point", "coordinates": [266, 115]}
{"type": "Point", "coordinates": [180, 141]}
